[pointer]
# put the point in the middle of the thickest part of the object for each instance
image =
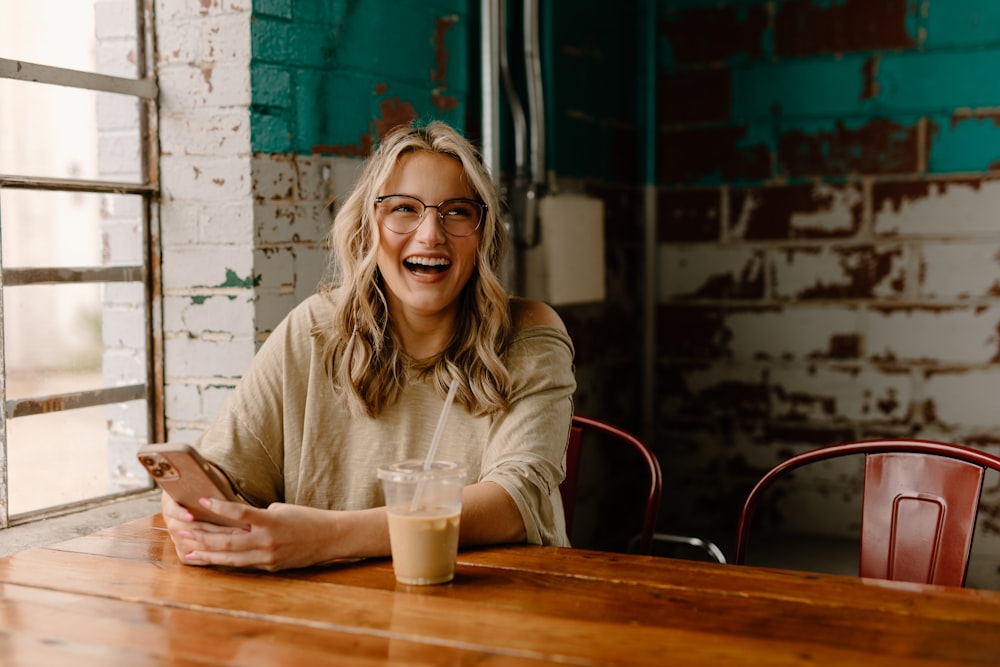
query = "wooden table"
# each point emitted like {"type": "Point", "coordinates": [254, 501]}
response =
{"type": "Point", "coordinates": [120, 597]}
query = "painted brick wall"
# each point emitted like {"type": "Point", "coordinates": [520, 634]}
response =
{"type": "Point", "coordinates": [332, 77]}
{"type": "Point", "coordinates": [265, 108]}
{"type": "Point", "coordinates": [829, 243]}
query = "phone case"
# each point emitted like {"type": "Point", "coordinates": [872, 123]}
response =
{"type": "Point", "coordinates": [183, 474]}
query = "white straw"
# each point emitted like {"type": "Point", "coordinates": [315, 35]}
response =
{"type": "Point", "coordinates": [440, 425]}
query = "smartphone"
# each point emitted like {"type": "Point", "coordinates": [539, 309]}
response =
{"type": "Point", "coordinates": [183, 474]}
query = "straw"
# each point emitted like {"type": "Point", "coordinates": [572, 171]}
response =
{"type": "Point", "coordinates": [440, 425]}
{"type": "Point", "coordinates": [419, 491]}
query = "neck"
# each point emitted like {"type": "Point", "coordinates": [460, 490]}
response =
{"type": "Point", "coordinates": [424, 337]}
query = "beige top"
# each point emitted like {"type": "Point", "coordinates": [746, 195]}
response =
{"type": "Point", "coordinates": [283, 437]}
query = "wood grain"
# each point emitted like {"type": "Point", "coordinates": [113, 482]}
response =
{"type": "Point", "coordinates": [122, 597]}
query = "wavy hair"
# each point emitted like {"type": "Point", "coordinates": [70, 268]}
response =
{"type": "Point", "coordinates": [363, 353]}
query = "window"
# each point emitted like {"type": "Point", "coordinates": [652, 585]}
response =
{"type": "Point", "coordinates": [80, 385]}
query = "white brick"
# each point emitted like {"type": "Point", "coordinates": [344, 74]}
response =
{"type": "Point", "coordinates": [124, 328]}
{"type": "Point", "coordinates": [123, 367]}
{"type": "Point", "coordinates": [312, 222]}
{"type": "Point", "coordinates": [964, 401]}
{"type": "Point", "coordinates": [208, 85]}
{"type": "Point", "coordinates": [114, 18]}
{"type": "Point", "coordinates": [276, 268]}
{"type": "Point", "coordinates": [684, 270]}
{"type": "Point", "coordinates": [193, 357]}
{"type": "Point", "coordinates": [207, 267]}
{"type": "Point", "coordinates": [120, 154]}
{"type": "Point", "coordinates": [312, 185]}
{"type": "Point", "coordinates": [224, 133]}
{"type": "Point", "coordinates": [117, 113]}
{"type": "Point", "coordinates": [228, 222]}
{"type": "Point", "coordinates": [124, 293]}
{"type": "Point", "coordinates": [272, 308]}
{"type": "Point", "coordinates": [836, 272]}
{"type": "Point", "coordinates": [310, 269]}
{"type": "Point", "coordinates": [224, 38]}
{"type": "Point", "coordinates": [944, 336]}
{"type": "Point", "coordinates": [117, 58]}
{"type": "Point", "coordinates": [205, 178]}
{"type": "Point", "coordinates": [839, 393]}
{"type": "Point", "coordinates": [197, 315]}
{"type": "Point", "coordinates": [128, 208]}
{"type": "Point", "coordinates": [960, 270]}
{"type": "Point", "coordinates": [955, 209]}
{"type": "Point", "coordinates": [214, 397]}
{"type": "Point", "coordinates": [122, 243]}
{"type": "Point", "coordinates": [274, 179]}
{"type": "Point", "coordinates": [183, 402]}
{"type": "Point", "coordinates": [179, 223]}
{"type": "Point", "coordinates": [172, 11]}
{"type": "Point", "coordinates": [345, 174]}
{"type": "Point", "coordinates": [790, 332]}
{"type": "Point", "coordinates": [275, 223]}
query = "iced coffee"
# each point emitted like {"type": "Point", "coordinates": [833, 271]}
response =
{"type": "Point", "coordinates": [424, 507]}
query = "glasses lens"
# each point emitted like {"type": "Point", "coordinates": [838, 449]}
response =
{"type": "Point", "coordinates": [460, 217]}
{"type": "Point", "coordinates": [400, 213]}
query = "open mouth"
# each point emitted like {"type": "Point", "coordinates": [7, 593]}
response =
{"type": "Point", "coordinates": [427, 265]}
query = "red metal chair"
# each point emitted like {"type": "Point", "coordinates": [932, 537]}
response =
{"type": "Point", "coordinates": [648, 535]}
{"type": "Point", "coordinates": [918, 510]}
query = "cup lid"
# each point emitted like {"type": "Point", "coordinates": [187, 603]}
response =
{"type": "Point", "coordinates": [413, 469]}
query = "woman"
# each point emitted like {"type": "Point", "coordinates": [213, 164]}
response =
{"type": "Point", "coordinates": [355, 377]}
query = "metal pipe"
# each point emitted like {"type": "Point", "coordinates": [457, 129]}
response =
{"type": "Point", "coordinates": [513, 98]}
{"type": "Point", "coordinates": [536, 104]}
{"type": "Point", "coordinates": [489, 56]}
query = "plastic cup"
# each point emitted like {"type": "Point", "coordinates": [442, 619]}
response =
{"type": "Point", "coordinates": [424, 507]}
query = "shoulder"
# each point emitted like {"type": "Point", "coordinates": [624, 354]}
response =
{"type": "Point", "coordinates": [526, 313]}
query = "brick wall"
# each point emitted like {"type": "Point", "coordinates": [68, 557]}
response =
{"type": "Point", "coordinates": [828, 240]}
{"type": "Point", "coordinates": [265, 109]}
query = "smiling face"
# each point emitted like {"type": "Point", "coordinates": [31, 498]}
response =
{"type": "Point", "coordinates": [425, 270]}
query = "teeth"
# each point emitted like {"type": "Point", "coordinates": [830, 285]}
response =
{"type": "Point", "coordinates": [428, 261]}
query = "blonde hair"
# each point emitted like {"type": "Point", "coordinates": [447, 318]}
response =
{"type": "Point", "coordinates": [363, 353]}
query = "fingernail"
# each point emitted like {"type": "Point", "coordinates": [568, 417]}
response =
{"type": "Point", "coordinates": [205, 502]}
{"type": "Point", "coordinates": [183, 533]}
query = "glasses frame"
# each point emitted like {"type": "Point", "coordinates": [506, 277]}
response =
{"type": "Point", "coordinates": [437, 209]}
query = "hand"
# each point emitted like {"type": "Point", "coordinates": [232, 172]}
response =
{"type": "Point", "coordinates": [180, 522]}
{"type": "Point", "coordinates": [280, 537]}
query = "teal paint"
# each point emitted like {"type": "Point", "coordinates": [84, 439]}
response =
{"type": "Point", "coordinates": [279, 8]}
{"type": "Point", "coordinates": [330, 76]}
{"type": "Point", "coordinates": [233, 280]}
{"type": "Point", "coordinates": [937, 81]}
{"type": "Point", "coordinates": [962, 23]}
{"type": "Point", "coordinates": [810, 87]}
{"type": "Point", "coordinates": [964, 145]}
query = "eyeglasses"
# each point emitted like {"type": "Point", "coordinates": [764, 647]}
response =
{"type": "Point", "coordinates": [403, 214]}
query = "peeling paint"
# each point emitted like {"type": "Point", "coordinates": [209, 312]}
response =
{"type": "Point", "coordinates": [879, 146]}
{"type": "Point", "coordinates": [806, 27]}
{"type": "Point", "coordinates": [734, 30]}
{"type": "Point", "coordinates": [393, 113]}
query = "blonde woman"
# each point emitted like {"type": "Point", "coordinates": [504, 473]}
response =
{"type": "Point", "coordinates": [356, 375]}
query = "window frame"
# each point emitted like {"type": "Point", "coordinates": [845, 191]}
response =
{"type": "Point", "coordinates": [144, 89]}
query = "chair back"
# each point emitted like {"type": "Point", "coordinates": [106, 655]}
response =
{"type": "Point", "coordinates": [918, 511]}
{"type": "Point", "coordinates": [653, 479]}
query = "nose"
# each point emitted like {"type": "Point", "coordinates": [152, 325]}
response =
{"type": "Point", "coordinates": [434, 232]}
